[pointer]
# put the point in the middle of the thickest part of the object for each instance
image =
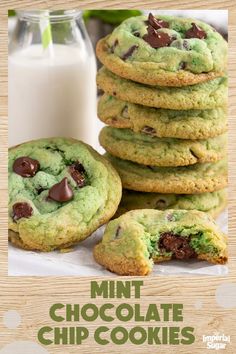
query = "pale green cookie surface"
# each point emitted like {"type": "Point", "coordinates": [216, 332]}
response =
{"type": "Point", "coordinates": [56, 224]}
{"type": "Point", "coordinates": [147, 150]}
{"type": "Point", "coordinates": [198, 178]}
{"type": "Point", "coordinates": [163, 123]}
{"type": "Point", "coordinates": [212, 203]}
{"type": "Point", "coordinates": [184, 61]}
{"type": "Point", "coordinates": [132, 242]}
{"type": "Point", "coordinates": [207, 95]}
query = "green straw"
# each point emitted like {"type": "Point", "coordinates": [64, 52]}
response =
{"type": "Point", "coordinates": [46, 33]}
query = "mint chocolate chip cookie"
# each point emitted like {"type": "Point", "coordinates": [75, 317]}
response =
{"type": "Point", "coordinates": [212, 203]}
{"type": "Point", "coordinates": [194, 179]}
{"type": "Point", "coordinates": [163, 123]}
{"type": "Point", "coordinates": [164, 50]}
{"type": "Point", "coordinates": [139, 238]}
{"type": "Point", "coordinates": [148, 150]}
{"type": "Point", "coordinates": [206, 95]}
{"type": "Point", "coordinates": [60, 191]}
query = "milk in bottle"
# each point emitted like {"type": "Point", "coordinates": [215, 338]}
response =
{"type": "Point", "coordinates": [52, 94]}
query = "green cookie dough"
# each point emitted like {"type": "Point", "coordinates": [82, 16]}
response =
{"type": "Point", "coordinates": [181, 61]}
{"type": "Point", "coordinates": [39, 217]}
{"type": "Point", "coordinates": [198, 178]}
{"type": "Point", "coordinates": [139, 238]}
{"type": "Point", "coordinates": [163, 123]}
{"type": "Point", "coordinates": [212, 203]}
{"type": "Point", "coordinates": [147, 150]}
{"type": "Point", "coordinates": [207, 95]}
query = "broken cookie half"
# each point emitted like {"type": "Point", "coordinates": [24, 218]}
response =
{"type": "Point", "coordinates": [136, 240]}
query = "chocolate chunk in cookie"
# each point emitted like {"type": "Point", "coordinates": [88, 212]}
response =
{"type": "Point", "coordinates": [77, 172]}
{"type": "Point", "coordinates": [157, 23]}
{"type": "Point", "coordinates": [195, 32]}
{"type": "Point", "coordinates": [61, 192]}
{"type": "Point", "coordinates": [40, 190]}
{"type": "Point", "coordinates": [157, 39]}
{"type": "Point", "coordinates": [114, 45]}
{"type": "Point", "coordinates": [21, 210]}
{"type": "Point", "coordinates": [25, 166]}
{"type": "Point", "coordinates": [118, 230]}
{"type": "Point", "coordinates": [136, 34]}
{"type": "Point", "coordinates": [148, 130]}
{"type": "Point", "coordinates": [129, 52]}
{"type": "Point", "coordinates": [176, 244]}
{"type": "Point", "coordinates": [182, 65]}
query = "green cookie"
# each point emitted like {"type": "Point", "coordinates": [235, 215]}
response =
{"type": "Point", "coordinates": [147, 150]}
{"type": "Point", "coordinates": [60, 191]}
{"type": "Point", "coordinates": [164, 50]}
{"type": "Point", "coordinates": [212, 203]}
{"type": "Point", "coordinates": [198, 178]}
{"type": "Point", "coordinates": [163, 123]}
{"type": "Point", "coordinates": [139, 238]}
{"type": "Point", "coordinates": [207, 95]}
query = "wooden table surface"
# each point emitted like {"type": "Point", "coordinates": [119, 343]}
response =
{"type": "Point", "coordinates": [32, 296]}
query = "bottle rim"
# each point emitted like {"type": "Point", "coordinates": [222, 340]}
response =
{"type": "Point", "coordinates": [52, 15]}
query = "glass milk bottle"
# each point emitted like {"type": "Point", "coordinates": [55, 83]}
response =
{"type": "Point", "coordinates": [51, 83]}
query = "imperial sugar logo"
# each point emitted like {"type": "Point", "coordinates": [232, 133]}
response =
{"type": "Point", "coordinates": [216, 341]}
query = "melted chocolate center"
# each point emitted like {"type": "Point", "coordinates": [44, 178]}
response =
{"type": "Point", "coordinates": [176, 244]}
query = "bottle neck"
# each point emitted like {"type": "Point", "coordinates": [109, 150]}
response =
{"type": "Point", "coordinates": [58, 16]}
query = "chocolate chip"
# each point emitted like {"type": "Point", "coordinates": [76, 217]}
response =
{"type": "Point", "coordinates": [125, 112]}
{"type": "Point", "coordinates": [195, 32]}
{"type": "Point", "coordinates": [40, 190]}
{"type": "Point", "coordinates": [148, 130]}
{"type": "Point", "coordinates": [21, 210]}
{"type": "Point", "coordinates": [182, 65]}
{"type": "Point", "coordinates": [114, 45]}
{"type": "Point", "coordinates": [61, 192]}
{"type": "Point", "coordinates": [157, 23]}
{"type": "Point", "coordinates": [77, 172]}
{"type": "Point", "coordinates": [118, 232]}
{"type": "Point", "coordinates": [160, 204]}
{"type": "Point", "coordinates": [79, 167]}
{"type": "Point", "coordinates": [25, 166]}
{"type": "Point", "coordinates": [129, 52]}
{"type": "Point", "coordinates": [176, 244]}
{"type": "Point", "coordinates": [157, 39]}
{"type": "Point", "coordinates": [114, 93]}
{"type": "Point", "coordinates": [136, 34]}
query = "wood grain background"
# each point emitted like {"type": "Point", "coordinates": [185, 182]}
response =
{"type": "Point", "coordinates": [32, 296]}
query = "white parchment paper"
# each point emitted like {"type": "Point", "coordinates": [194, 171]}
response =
{"type": "Point", "coordinates": [80, 261]}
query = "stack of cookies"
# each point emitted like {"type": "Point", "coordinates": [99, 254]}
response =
{"type": "Point", "coordinates": [165, 99]}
